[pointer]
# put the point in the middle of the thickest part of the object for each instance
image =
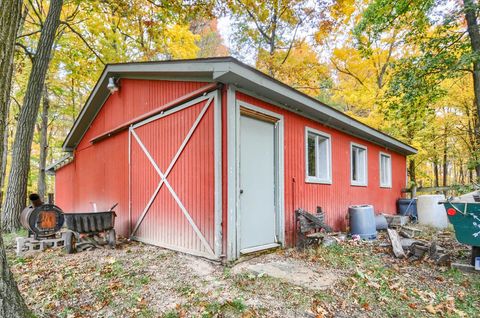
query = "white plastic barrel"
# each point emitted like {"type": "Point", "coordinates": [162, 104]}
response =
{"type": "Point", "coordinates": [430, 212]}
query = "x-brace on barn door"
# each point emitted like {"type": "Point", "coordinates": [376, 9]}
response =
{"type": "Point", "coordinates": [205, 112]}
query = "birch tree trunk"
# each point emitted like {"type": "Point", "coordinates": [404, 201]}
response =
{"type": "Point", "coordinates": [41, 185]}
{"type": "Point", "coordinates": [11, 302]}
{"type": "Point", "coordinates": [16, 194]}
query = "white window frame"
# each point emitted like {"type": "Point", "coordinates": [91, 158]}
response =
{"type": "Point", "coordinates": [354, 182]}
{"type": "Point", "coordinates": [389, 183]}
{"type": "Point", "coordinates": [328, 137]}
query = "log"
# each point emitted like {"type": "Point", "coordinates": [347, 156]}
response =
{"type": "Point", "coordinates": [396, 243]}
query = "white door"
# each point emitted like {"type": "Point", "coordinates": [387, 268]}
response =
{"type": "Point", "coordinates": [257, 184]}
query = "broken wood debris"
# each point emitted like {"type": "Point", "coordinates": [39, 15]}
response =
{"type": "Point", "coordinates": [396, 243]}
{"type": "Point", "coordinates": [396, 220]}
{"type": "Point", "coordinates": [467, 268]}
{"type": "Point", "coordinates": [417, 249]}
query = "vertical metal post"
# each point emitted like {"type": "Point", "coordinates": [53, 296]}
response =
{"type": "Point", "coordinates": [130, 181]}
{"type": "Point", "coordinates": [232, 192]}
{"type": "Point", "coordinates": [217, 132]}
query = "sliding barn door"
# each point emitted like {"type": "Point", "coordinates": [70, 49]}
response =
{"type": "Point", "coordinates": [173, 179]}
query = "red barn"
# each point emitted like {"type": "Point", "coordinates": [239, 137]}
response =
{"type": "Point", "coordinates": [211, 157]}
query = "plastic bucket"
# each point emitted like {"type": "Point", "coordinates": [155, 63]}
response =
{"type": "Point", "coordinates": [407, 207]}
{"type": "Point", "coordinates": [362, 221]}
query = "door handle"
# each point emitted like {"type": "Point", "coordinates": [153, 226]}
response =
{"type": "Point", "coordinates": [241, 191]}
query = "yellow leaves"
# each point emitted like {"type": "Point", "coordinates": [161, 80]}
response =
{"type": "Point", "coordinates": [299, 68]}
{"type": "Point", "coordinates": [180, 42]}
{"type": "Point", "coordinates": [343, 9]}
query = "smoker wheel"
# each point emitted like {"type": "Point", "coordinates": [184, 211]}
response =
{"type": "Point", "coordinates": [70, 242]}
{"type": "Point", "coordinates": [111, 238]}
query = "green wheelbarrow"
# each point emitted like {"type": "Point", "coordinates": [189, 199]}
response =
{"type": "Point", "coordinates": [465, 218]}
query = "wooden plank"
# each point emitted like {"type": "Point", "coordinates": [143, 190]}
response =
{"type": "Point", "coordinates": [467, 268]}
{"type": "Point", "coordinates": [437, 189]}
{"type": "Point", "coordinates": [396, 220]}
{"type": "Point", "coordinates": [257, 115]}
{"type": "Point", "coordinates": [396, 243]}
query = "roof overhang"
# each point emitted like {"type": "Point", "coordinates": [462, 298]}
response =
{"type": "Point", "coordinates": [228, 70]}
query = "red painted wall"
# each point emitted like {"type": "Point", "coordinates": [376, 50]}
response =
{"type": "Point", "coordinates": [336, 197]}
{"type": "Point", "coordinates": [99, 172]}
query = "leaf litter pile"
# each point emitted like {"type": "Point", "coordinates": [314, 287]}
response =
{"type": "Point", "coordinates": [138, 280]}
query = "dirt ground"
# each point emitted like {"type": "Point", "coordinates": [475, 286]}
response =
{"type": "Point", "coordinates": [357, 279]}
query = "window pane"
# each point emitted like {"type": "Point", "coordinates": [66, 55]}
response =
{"type": "Point", "coordinates": [382, 169]}
{"type": "Point", "coordinates": [359, 165]}
{"type": "Point", "coordinates": [323, 158]}
{"type": "Point", "coordinates": [311, 155]}
{"type": "Point", "coordinates": [354, 164]}
{"type": "Point", "coordinates": [389, 170]}
{"type": "Point", "coordinates": [385, 170]}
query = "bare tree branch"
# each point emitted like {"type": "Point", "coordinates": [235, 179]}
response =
{"type": "Point", "coordinates": [84, 41]}
{"type": "Point", "coordinates": [348, 72]}
{"type": "Point", "coordinates": [30, 55]}
{"type": "Point", "coordinates": [252, 16]}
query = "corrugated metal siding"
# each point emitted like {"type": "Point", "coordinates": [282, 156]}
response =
{"type": "Point", "coordinates": [102, 178]}
{"type": "Point", "coordinates": [99, 172]}
{"type": "Point", "coordinates": [64, 178]}
{"type": "Point", "coordinates": [135, 98]}
{"type": "Point", "coordinates": [192, 179]}
{"type": "Point", "coordinates": [335, 198]}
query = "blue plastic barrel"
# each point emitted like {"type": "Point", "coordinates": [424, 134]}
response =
{"type": "Point", "coordinates": [362, 221]}
{"type": "Point", "coordinates": [407, 207]}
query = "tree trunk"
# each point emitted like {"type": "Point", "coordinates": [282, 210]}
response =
{"type": "Point", "coordinates": [445, 158]}
{"type": "Point", "coordinates": [435, 173]}
{"type": "Point", "coordinates": [6, 134]}
{"type": "Point", "coordinates": [461, 173]}
{"type": "Point", "coordinates": [41, 185]}
{"type": "Point", "coordinates": [17, 182]}
{"type": "Point", "coordinates": [9, 24]}
{"type": "Point", "coordinates": [473, 32]}
{"type": "Point", "coordinates": [4, 158]}
{"type": "Point", "coordinates": [11, 302]}
{"type": "Point", "coordinates": [412, 172]}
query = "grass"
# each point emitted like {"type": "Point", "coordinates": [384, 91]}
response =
{"type": "Point", "coordinates": [9, 238]}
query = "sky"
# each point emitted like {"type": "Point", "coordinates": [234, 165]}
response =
{"type": "Point", "coordinates": [225, 29]}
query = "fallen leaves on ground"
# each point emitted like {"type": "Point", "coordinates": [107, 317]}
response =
{"type": "Point", "coordinates": [138, 280]}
